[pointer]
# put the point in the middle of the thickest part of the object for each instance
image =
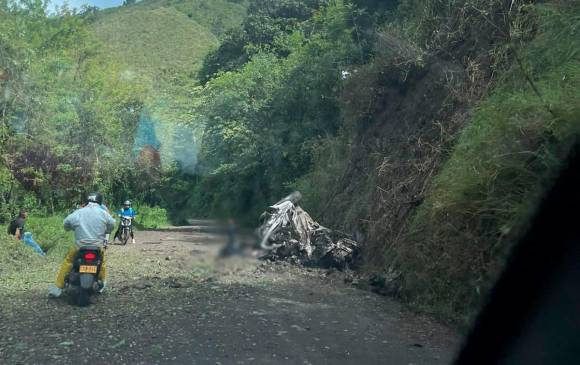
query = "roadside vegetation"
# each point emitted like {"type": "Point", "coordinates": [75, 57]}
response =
{"type": "Point", "coordinates": [21, 268]}
{"type": "Point", "coordinates": [501, 164]}
{"type": "Point", "coordinates": [428, 129]}
{"type": "Point", "coordinates": [442, 206]}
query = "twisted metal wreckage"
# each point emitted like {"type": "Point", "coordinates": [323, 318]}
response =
{"type": "Point", "coordinates": [289, 233]}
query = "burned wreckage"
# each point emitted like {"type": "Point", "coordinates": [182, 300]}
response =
{"type": "Point", "coordinates": [289, 233]}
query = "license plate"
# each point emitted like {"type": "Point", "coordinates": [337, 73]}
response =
{"type": "Point", "coordinates": [88, 269]}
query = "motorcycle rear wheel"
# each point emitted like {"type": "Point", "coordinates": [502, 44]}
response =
{"type": "Point", "coordinates": [83, 298]}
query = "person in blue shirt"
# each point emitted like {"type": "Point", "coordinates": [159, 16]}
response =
{"type": "Point", "coordinates": [127, 212]}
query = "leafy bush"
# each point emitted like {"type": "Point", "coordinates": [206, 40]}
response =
{"type": "Point", "coordinates": [151, 217]}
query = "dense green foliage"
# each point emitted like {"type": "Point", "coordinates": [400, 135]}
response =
{"type": "Point", "coordinates": [84, 94]}
{"type": "Point", "coordinates": [340, 99]}
{"type": "Point", "coordinates": [86, 107]}
{"type": "Point", "coordinates": [68, 113]}
{"type": "Point", "coordinates": [263, 120]}
{"type": "Point", "coordinates": [267, 21]}
{"type": "Point", "coordinates": [151, 218]}
{"type": "Point", "coordinates": [227, 148]}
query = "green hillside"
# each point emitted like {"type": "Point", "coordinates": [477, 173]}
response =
{"type": "Point", "coordinates": [215, 15]}
{"type": "Point", "coordinates": [163, 36]}
{"type": "Point", "coordinates": [155, 40]}
{"type": "Point", "coordinates": [163, 42]}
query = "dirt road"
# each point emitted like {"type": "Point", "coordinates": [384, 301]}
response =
{"type": "Point", "coordinates": [171, 302]}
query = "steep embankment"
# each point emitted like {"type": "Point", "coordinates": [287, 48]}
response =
{"type": "Point", "coordinates": [454, 142]}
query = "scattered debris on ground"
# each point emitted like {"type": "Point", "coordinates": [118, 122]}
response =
{"type": "Point", "coordinates": [386, 283]}
{"type": "Point", "coordinates": [289, 233]}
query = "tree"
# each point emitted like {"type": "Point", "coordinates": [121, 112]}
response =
{"type": "Point", "coordinates": [263, 119]}
{"type": "Point", "coordinates": [267, 21]}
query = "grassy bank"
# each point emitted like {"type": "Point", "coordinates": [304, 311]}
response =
{"type": "Point", "coordinates": [500, 166]}
{"type": "Point", "coordinates": [21, 268]}
{"type": "Point", "coordinates": [451, 134]}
